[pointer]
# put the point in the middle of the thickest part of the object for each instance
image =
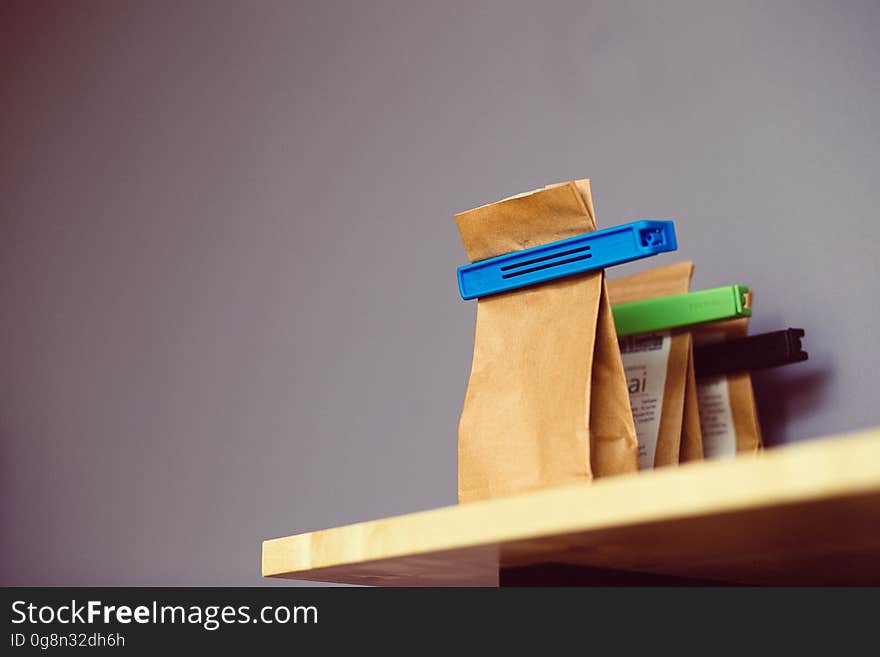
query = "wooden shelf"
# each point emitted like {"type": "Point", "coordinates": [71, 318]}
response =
{"type": "Point", "coordinates": [802, 514]}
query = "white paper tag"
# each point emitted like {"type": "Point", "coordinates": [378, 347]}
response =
{"type": "Point", "coordinates": [716, 418]}
{"type": "Point", "coordinates": [645, 359]}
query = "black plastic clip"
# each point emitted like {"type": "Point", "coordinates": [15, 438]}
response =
{"type": "Point", "coordinates": [755, 352]}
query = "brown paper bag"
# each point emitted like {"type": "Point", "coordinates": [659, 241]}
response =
{"type": "Point", "coordinates": [691, 433]}
{"type": "Point", "coordinates": [728, 414]}
{"type": "Point", "coordinates": [658, 367]}
{"type": "Point", "coordinates": [546, 403]}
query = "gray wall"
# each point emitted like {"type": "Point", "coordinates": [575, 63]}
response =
{"type": "Point", "coordinates": [227, 255]}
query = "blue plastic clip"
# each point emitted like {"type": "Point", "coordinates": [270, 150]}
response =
{"type": "Point", "coordinates": [575, 255]}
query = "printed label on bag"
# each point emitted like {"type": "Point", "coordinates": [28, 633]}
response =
{"type": "Point", "coordinates": [716, 418]}
{"type": "Point", "coordinates": [645, 359]}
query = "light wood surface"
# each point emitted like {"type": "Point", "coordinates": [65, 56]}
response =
{"type": "Point", "coordinates": [801, 514]}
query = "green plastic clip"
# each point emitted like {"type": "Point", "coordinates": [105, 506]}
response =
{"type": "Point", "coordinates": [677, 310]}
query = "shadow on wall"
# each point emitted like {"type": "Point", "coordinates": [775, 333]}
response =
{"type": "Point", "coordinates": [781, 395]}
